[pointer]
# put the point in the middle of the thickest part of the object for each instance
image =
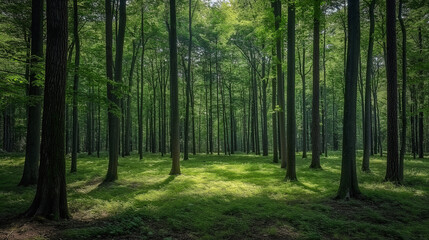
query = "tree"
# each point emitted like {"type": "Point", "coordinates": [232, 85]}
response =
{"type": "Point", "coordinates": [188, 86]}
{"type": "Point", "coordinates": [392, 168]}
{"type": "Point", "coordinates": [348, 184]}
{"type": "Point", "coordinates": [75, 132]}
{"type": "Point", "coordinates": [404, 92]}
{"type": "Point", "coordinates": [367, 121]}
{"type": "Point", "coordinates": [112, 171]}
{"type": "Point", "coordinates": [50, 200]}
{"type": "Point", "coordinates": [174, 93]}
{"type": "Point", "coordinates": [291, 118]}
{"type": "Point", "coordinates": [32, 151]}
{"type": "Point", "coordinates": [315, 127]}
{"type": "Point", "coordinates": [280, 82]}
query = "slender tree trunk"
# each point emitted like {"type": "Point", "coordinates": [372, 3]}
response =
{"type": "Point", "coordinates": [392, 170]}
{"type": "Point", "coordinates": [50, 200]}
{"type": "Point", "coordinates": [140, 89]}
{"type": "Point", "coordinates": [404, 92]}
{"type": "Point", "coordinates": [231, 116]}
{"type": "Point", "coordinates": [280, 80]}
{"type": "Point", "coordinates": [174, 93]}
{"type": "Point", "coordinates": [274, 106]}
{"type": "Point", "coordinates": [194, 149]}
{"type": "Point", "coordinates": [75, 127]}
{"type": "Point", "coordinates": [114, 124]}
{"type": "Point", "coordinates": [367, 121]}
{"type": "Point", "coordinates": [422, 99]}
{"type": "Point", "coordinates": [32, 149]}
{"type": "Point", "coordinates": [291, 118]}
{"type": "Point", "coordinates": [325, 92]}
{"type": "Point", "coordinates": [217, 102]}
{"type": "Point", "coordinates": [211, 108]}
{"type": "Point", "coordinates": [128, 117]}
{"type": "Point", "coordinates": [348, 183]}
{"type": "Point", "coordinates": [315, 125]}
{"type": "Point", "coordinates": [264, 110]}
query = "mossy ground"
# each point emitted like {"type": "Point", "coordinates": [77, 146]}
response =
{"type": "Point", "coordinates": [222, 197]}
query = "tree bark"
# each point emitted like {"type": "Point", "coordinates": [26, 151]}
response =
{"type": "Point", "coordinates": [315, 124]}
{"type": "Point", "coordinates": [274, 106]}
{"type": "Point", "coordinates": [367, 121]}
{"type": "Point", "coordinates": [348, 184]}
{"type": "Point", "coordinates": [174, 93]}
{"type": "Point", "coordinates": [280, 80]}
{"type": "Point", "coordinates": [32, 149]}
{"type": "Point", "coordinates": [392, 170]}
{"type": "Point", "coordinates": [50, 200]}
{"type": "Point", "coordinates": [114, 124]}
{"type": "Point", "coordinates": [404, 92]}
{"type": "Point", "coordinates": [291, 118]}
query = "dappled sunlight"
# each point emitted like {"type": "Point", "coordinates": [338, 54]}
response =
{"type": "Point", "coordinates": [232, 193]}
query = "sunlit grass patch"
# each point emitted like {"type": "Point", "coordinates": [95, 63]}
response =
{"type": "Point", "coordinates": [230, 197]}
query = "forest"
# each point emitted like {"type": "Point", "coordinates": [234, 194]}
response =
{"type": "Point", "coordinates": [214, 119]}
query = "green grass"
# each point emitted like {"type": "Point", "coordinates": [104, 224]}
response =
{"type": "Point", "coordinates": [228, 197]}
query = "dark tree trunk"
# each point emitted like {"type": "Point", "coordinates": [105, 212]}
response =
{"type": "Point", "coordinates": [194, 148]}
{"type": "Point", "coordinates": [291, 118]}
{"type": "Point", "coordinates": [32, 150]}
{"type": "Point", "coordinates": [114, 124]}
{"type": "Point", "coordinates": [174, 93]}
{"type": "Point", "coordinates": [217, 101]}
{"type": "Point", "coordinates": [404, 92]}
{"type": "Point", "coordinates": [392, 170]}
{"type": "Point", "coordinates": [315, 124]}
{"type": "Point", "coordinates": [255, 121]}
{"type": "Point", "coordinates": [89, 128]}
{"type": "Point", "coordinates": [325, 92]}
{"type": "Point", "coordinates": [367, 121]}
{"type": "Point", "coordinates": [422, 99]}
{"type": "Point", "coordinates": [303, 73]}
{"type": "Point", "coordinates": [211, 108]}
{"type": "Point", "coordinates": [348, 183]}
{"type": "Point", "coordinates": [274, 104]}
{"type": "Point", "coordinates": [75, 127]}
{"type": "Point", "coordinates": [264, 110]}
{"type": "Point", "coordinates": [128, 117]}
{"type": "Point", "coordinates": [231, 116]}
{"type": "Point", "coordinates": [280, 80]}
{"type": "Point", "coordinates": [50, 200]}
{"type": "Point", "coordinates": [140, 85]}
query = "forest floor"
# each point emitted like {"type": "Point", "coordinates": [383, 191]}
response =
{"type": "Point", "coordinates": [221, 197]}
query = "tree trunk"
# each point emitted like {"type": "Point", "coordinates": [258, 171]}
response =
{"type": "Point", "coordinates": [291, 118]}
{"type": "Point", "coordinates": [392, 170]}
{"type": "Point", "coordinates": [264, 110]}
{"type": "Point", "coordinates": [325, 92]}
{"type": "Point", "coordinates": [348, 183]}
{"type": "Point", "coordinates": [128, 117]}
{"type": "Point", "coordinates": [50, 200]}
{"type": "Point", "coordinates": [274, 105]}
{"type": "Point", "coordinates": [140, 88]}
{"type": "Point", "coordinates": [404, 93]}
{"type": "Point", "coordinates": [280, 80]}
{"type": "Point", "coordinates": [114, 124]}
{"type": "Point", "coordinates": [75, 127]}
{"type": "Point", "coordinates": [422, 98]}
{"type": "Point", "coordinates": [315, 124]}
{"type": "Point", "coordinates": [32, 150]}
{"type": "Point", "coordinates": [174, 93]}
{"type": "Point", "coordinates": [367, 121]}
